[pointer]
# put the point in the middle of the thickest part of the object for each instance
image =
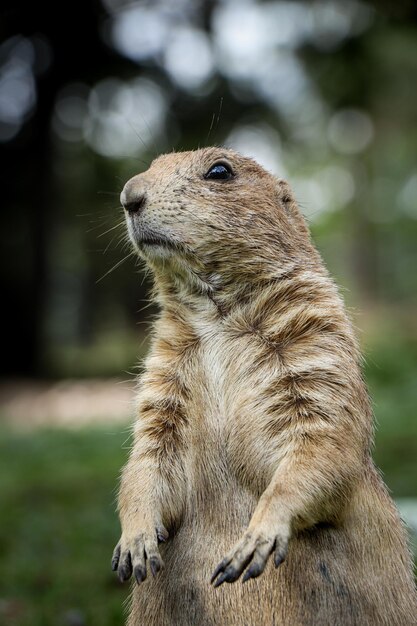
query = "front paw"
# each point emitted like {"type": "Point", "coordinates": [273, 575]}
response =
{"type": "Point", "coordinates": [132, 555]}
{"type": "Point", "coordinates": [251, 553]}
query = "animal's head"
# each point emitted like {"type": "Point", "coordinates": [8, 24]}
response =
{"type": "Point", "coordinates": [214, 213]}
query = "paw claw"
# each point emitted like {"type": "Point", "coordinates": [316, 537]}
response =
{"type": "Point", "coordinates": [155, 565]}
{"type": "Point", "coordinates": [253, 571]}
{"type": "Point", "coordinates": [221, 579]}
{"type": "Point", "coordinates": [115, 558]}
{"type": "Point", "coordinates": [246, 576]}
{"type": "Point", "coordinates": [132, 553]}
{"type": "Point", "coordinates": [140, 574]}
{"type": "Point", "coordinates": [280, 555]}
{"type": "Point", "coordinates": [162, 534]}
{"type": "Point", "coordinates": [232, 574]}
{"type": "Point", "coordinates": [219, 569]}
{"type": "Point", "coordinates": [229, 575]}
{"type": "Point", "coordinates": [278, 559]}
{"type": "Point", "coordinates": [125, 567]}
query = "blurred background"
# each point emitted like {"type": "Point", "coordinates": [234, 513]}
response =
{"type": "Point", "coordinates": [322, 93]}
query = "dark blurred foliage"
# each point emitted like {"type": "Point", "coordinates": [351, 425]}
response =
{"type": "Point", "coordinates": [321, 92]}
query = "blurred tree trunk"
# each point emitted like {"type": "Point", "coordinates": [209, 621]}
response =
{"type": "Point", "coordinates": [72, 30]}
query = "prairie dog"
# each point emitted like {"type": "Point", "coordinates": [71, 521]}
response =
{"type": "Point", "coordinates": [251, 457]}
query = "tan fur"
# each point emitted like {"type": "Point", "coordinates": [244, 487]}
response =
{"type": "Point", "coordinates": [253, 427]}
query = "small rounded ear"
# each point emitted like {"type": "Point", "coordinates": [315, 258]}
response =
{"type": "Point", "coordinates": [289, 203]}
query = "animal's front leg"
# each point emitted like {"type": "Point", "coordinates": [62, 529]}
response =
{"type": "Point", "coordinates": [268, 532]}
{"type": "Point", "coordinates": [144, 507]}
{"type": "Point", "coordinates": [310, 485]}
{"type": "Point", "coordinates": [152, 486]}
{"type": "Point", "coordinates": [138, 549]}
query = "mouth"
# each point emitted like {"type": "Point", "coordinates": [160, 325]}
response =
{"type": "Point", "coordinates": [149, 239]}
{"type": "Point", "coordinates": [154, 241]}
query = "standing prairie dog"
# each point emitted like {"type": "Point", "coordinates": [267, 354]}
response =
{"type": "Point", "coordinates": [253, 428]}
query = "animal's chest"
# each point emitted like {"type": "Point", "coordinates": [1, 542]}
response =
{"type": "Point", "coordinates": [215, 486]}
{"type": "Point", "coordinates": [216, 378]}
{"type": "Point", "coordinates": [228, 422]}
{"type": "Point", "coordinates": [226, 378]}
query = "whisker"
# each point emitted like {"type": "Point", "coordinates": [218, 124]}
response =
{"type": "Point", "coordinates": [125, 240]}
{"type": "Point", "coordinates": [109, 244]}
{"type": "Point", "coordinates": [220, 110]}
{"type": "Point", "coordinates": [99, 217]}
{"type": "Point", "coordinates": [118, 225]}
{"type": "Point", "coordinates": [137, 135]}
{"type": "Point", "coordinates": [126, 246]}
{"type": "Point", "coordinates": [151, 135]}
{"type": "Point", "coordinates": [215, 120]}
{"type": "Point", "coordinates": [115, 266]}
{"type": "Point", "coordinates": [211, 127]}
{"type": "Point", "coordinates": [99, 223]}
{"type": "Point", "coordinates": [95, 227]}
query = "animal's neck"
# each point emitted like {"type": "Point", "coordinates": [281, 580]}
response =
{"type": "Point", "coordinates": [258, 301]}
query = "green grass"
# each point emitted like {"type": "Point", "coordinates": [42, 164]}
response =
{"type": "Point", "coordinates": [58, 527]}
{"type": "Point", "coordinates": [391, 373]}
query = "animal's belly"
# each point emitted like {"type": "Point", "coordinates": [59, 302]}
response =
{"type": "Point", "coordinates": [323, 581]}
{"type": "Point", "coordinates": [217, 512]}
{"type": "Point", "coordinates": [181, 595]}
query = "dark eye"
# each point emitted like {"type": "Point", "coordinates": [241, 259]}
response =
{"type": "Point", "coordinates": [219, 171]}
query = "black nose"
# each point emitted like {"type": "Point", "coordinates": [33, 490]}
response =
{"type": "Point", "coordinates": [135, 204]}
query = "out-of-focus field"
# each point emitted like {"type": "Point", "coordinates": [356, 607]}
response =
{"type": "Point", "coordinates": [58, 480]}
{"type": "Point", "coordinates": [58, 526]}
{"type": "Point", "coordinates": [390, 371]}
